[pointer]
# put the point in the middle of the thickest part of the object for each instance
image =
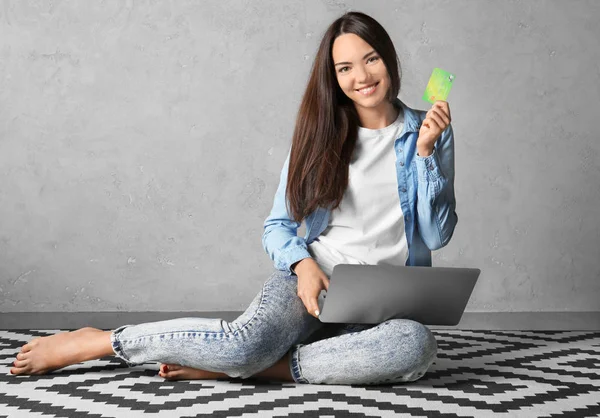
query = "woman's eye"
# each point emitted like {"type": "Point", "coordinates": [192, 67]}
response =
{"type": "Point", "coordinates": [341, 70]}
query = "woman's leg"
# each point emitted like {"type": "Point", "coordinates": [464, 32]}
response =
{"type": "Point", "coordinates": [275, 320]}
{"type": "Point", "coordinates": [397, 350]}
{"type": "Point", "coordinates": [45, 354]}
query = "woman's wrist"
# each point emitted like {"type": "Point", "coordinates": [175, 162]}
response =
{"type": "Point", "coordinates": [299, 264]}
{"type": "Point", "coordinates": [424, 151]}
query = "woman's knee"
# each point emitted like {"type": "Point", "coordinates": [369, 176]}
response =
{"type": "Point", "coordinates": [265, 339]}
{"type": "Point", "coordinates": [276, 320]}
{"type": "Point", "coordinates": [419, 335]}
{"type": "Point", "coordinates": [425, 340]}
{"type": "Point", "coordinates": [420, 346]}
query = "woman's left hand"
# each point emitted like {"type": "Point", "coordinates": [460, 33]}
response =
{"type": "Point", "coordinates": [436, 121]}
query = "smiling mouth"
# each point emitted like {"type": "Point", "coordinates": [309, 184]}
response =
{"type": "Point", "coordinates": [372, 85]}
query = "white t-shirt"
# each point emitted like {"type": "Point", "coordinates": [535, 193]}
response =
{"type": "Point", "coordinates": [368, 226]}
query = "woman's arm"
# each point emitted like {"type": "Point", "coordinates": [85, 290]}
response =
{"type": "Point", "coordinates": [436, 203]}
{"type": "Point", "coordinates": [280, 239]}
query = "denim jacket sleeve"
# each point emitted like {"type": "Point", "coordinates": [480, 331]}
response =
{"type": "Point", "coordinates": [436, 202]}
{"type": "Point", "coordinates": [280, 239]}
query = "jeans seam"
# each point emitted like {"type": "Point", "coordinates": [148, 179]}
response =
{"type": "Point", "coordinates": [263, 299]}
{"type": "Point", "coordinates": [118, 347]}
{"type": "Point", "coordinates": [118, 343]}
{"type": "Point", "coordinates": [295, 365]}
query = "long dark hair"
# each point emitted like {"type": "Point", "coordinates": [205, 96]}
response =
{"type": "Point", "coordinates": [327, 122]}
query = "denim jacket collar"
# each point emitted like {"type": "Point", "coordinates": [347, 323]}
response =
{"type": "Point", "coordinates": [412, 119]}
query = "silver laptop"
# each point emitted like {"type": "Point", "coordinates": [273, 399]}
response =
{"type": "Point", "coordinates": [371, 294]}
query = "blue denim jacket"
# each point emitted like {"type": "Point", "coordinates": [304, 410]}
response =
{"type": "Point", "coordinates": [425, 188]}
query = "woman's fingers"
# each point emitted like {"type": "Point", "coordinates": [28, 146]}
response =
{"type": "Point", "coordinates": [433, 122]}
{"type": "Point", "coordinates": [442, 115]}
{"type": "Point", "coordinates": [437, 120]}
{"type": "Point", "coordinates": [444, 107]}
{"type": "Point", "coordinates": [311, 304]}
{"type": "Point", "coordinates": [314, 307]}
{"type": "Point", "coordinates": [310, 286]}
{"type": "Point", "coordinates": [439, 117]}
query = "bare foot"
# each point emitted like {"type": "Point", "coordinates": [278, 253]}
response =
{"type": "Point", "coordinates": [45, 354]}
{"type": "Point", "coordinates": [177, 372]}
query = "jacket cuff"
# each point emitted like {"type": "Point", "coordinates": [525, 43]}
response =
{"type": "Point", "coordinates": [294, 255]}
{"type": "Point", "coordinates": [428, 167]}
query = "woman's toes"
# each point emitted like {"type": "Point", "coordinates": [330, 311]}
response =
{"type": "Point", "coordinates": [20, 363]}
{"type": "Point", "coordinates": [166, 375]}
{"type": "Point", "coordinates": [18, 370]}
{"type": "Point", "coordinates": [165, 368]}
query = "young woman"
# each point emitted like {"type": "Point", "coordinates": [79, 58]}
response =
{"type": "Point", "coordinates": [374, 181]}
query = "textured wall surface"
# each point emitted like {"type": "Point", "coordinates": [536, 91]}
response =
{"type": "Point", "coordinates": [141, 144]}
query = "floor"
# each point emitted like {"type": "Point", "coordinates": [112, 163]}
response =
{"type": "Point", "coordinates": [477, 373]}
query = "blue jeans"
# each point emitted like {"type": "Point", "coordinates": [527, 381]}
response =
{"type": "Point", "coordinates": [275, 323]}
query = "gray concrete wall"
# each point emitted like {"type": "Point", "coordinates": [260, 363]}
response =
{"type": "Point", "coordinates": [141, 145]}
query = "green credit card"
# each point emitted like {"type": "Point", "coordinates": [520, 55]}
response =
{"type": "Point", "coordinates": [439, 86]}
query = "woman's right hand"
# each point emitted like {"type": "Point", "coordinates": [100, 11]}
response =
{"type": "Point", "coordinates": [311, 280]}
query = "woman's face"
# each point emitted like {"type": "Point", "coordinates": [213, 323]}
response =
{"type": "Point", "coordinates": [357, 66]}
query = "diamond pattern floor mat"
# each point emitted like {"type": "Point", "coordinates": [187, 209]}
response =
{"type": "Point", "coordinates": [477, 373]}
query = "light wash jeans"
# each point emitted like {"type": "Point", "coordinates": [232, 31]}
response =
{"type": "Point", "coordinates": [396, 350]}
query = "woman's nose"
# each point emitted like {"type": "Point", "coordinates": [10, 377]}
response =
{"type": "Point", "coordinates": [361, 75]}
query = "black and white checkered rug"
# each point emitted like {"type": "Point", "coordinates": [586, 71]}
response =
{"type": "Point", "coordinates": [476, 374]}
